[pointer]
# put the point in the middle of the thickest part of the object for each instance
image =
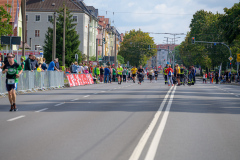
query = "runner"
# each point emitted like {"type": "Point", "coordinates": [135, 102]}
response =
{"type": "Point", "coordinates": [151, 73]}
{"type": "Point", "coordinates": [134, 71]}
{"type": "Point", "coordinates": [119, 75]}
{"type": "Point", "coordinates": [140, 75]}
{"type": "Point", "coordinates": [129, 75]}
{"type": "Point", "coordinates": [165, 74]}
{"type": "Point", "coordinates": [169, 72]}
{"type": "Point", "coordinates": [182, 74]}
{"type": "Point", "coordinates": [178, 74]}
{"type": "Point", "coordinates": [156, 74]}
{"type": "Point", "coordinates": [12, 68]}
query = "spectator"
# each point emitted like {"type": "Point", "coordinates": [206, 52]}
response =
{"type": "Point", "coordinates": [106, 74]}
{"type": "Point", "coordinates": [22, 63]}
{"type": "Point", "coordinates": [80, 69]}
{"type": "Point", "coordinates": [52, 66]}
{"type": "Point", "coordinates": [86, 69]}
{"type": "Point", "coordinates": [71, 68]}
{"type": "Point", "coordinates": [75, 67]}
{"type": "Point", "coordinates": [114, 74]}
{"type": "Point", "coordinates": [44, 65]}
{"type": "Point", "coordinates": [101, 74]}
{"type": "Point", "coordinates": [98, 72]}
{"type": "Point", "coordinates": [216, 77]}
{"type": "Point", "coordinates": [27, 66]}
{"type": "Point", "coordinates": [39, 69]}
{"type": "Point", "coordinates": [1, 63]}
{"type": "Point", "coordinates": [57, 64]}
{"type": "Point", "coordinates": [34, 63]}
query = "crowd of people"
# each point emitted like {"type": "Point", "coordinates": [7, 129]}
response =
{"type": "Point", "coordinates": [225, 77]}
{"type": "Point", "coordinates": [179, 75]}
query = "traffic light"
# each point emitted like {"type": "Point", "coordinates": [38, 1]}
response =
{"type": "Point", "coordinates": [193, 40]}
{"type": "Point", "coordinates": [230, 64]}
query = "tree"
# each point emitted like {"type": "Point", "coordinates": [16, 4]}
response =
{"type": "Point", "coordinates": [135, 47]}
{"type": "Point", "coordinates": [230, 22]}
{"type": "Point", "coordinates": [5, 27]}
{"type": "Point", "coordinates": [120, 59]}
{"type": "Point", "coordinates": [71, 42]}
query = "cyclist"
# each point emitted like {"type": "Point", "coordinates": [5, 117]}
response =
{"type": "Point", "coordinates": [134, 71]}
{"type": "Point", "coordinates": [12, 68]}
{"type": "Point", "coordinates": [165, 74]}
{"type": "Point", "coordinates": [140, 74]}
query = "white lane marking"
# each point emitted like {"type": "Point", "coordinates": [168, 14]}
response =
{"type": "Point", "coordinates": [103, 91]}
{"type": "Point", "coordinates": [231, 93]}
{"type": "Point", "coordinates": [59, 104]}
{"type": "Point", "coordinates": [13, 119]}
{"type": "Point", "coordinates": [157, 137]}
{"type": "Point", "coordinates": [138, 149]}
{"type": "Point", "coordinates": [74, 100]}
{"type": "Point", "coordinates": [42, 110]}
{"type": "Point", "coordinates": [86, 96]}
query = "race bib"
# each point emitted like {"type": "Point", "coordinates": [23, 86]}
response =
{"type": "Point", "coordinates": [11, 81]}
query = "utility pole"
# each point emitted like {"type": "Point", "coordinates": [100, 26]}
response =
{"type": "Point", "coordinates": [64, 30]}
{"type": "Point", "coordinates": [23, 26]}
{"type": "Point", "coordinates": [115, 57]}
{"type": "Point", "coordinates": [102, 42]}
{"type": "Point", "coordinates": [96, 49]}
{"type": "Point", "coordinates": [88, 45]}
{"type": "Point", "coordinates": [54, 37]}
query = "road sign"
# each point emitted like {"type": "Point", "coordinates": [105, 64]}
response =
{"type": "Point", "coordinates": [230, 58]}
{"type": "Point", "coordinates": [76, 57]}
{"type": "Point", "coordinates": [238, 57]}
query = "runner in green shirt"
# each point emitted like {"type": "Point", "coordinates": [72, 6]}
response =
{"type": "Point", "coordinates": [119, 75]}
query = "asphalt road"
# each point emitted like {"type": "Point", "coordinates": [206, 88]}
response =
{"type": "Point", "coordinates": [120, 122]}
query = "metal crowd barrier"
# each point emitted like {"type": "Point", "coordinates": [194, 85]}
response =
{"type": "Point", "coordinates": [30, 81]}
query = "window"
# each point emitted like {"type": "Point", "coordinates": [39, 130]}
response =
{"type": "Point", "coordinates": [74, 18]}
{"type": "Point", "coordinates": [37, 33]}
{"type": "Point", "coordinates": [50, 17]}
{"type": "Point", "coordinates": [26, 17]}
{"type": "Point", "coordinates": [37, 18]}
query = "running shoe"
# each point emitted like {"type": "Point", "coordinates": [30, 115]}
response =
{"type": "Point", "coordinates": [11, 108]}
{"type": "Point", "coordinates": [15, 108]}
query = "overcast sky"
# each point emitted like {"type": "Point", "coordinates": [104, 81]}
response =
{"type": "Point", "coordinates": [158, 16]}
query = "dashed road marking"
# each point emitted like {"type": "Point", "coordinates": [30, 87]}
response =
{"type": "Point", "coordinates": [86, 96]}
{"type": "Point", "coordinates": [42, 110]}
{"type": "Point", "coordinates": [74, 100]}
{"type": "Point", "coordinates": [13, 119]}
{"type": "Point", "coordinates": [59, 104]}
{"type": "Point", "coordinates": [103, 91]}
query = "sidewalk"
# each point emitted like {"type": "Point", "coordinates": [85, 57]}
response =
{"type": "Point", "coordinates": [233, 83]}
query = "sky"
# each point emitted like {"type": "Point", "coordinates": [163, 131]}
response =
{"type": "Point", "coordinates": [156, 16]}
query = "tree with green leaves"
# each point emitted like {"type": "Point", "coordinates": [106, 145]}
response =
{"type": "Point", "coordinates": [72, 39]}
{"type": "Point", "coordinates": [120, 59]}
{"type": "Point", "coordinates": [135, 47]}
{"type": "Point", "coordinates": [5, 17]}
{"type": "Point", "coordinates": [230, 23]}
